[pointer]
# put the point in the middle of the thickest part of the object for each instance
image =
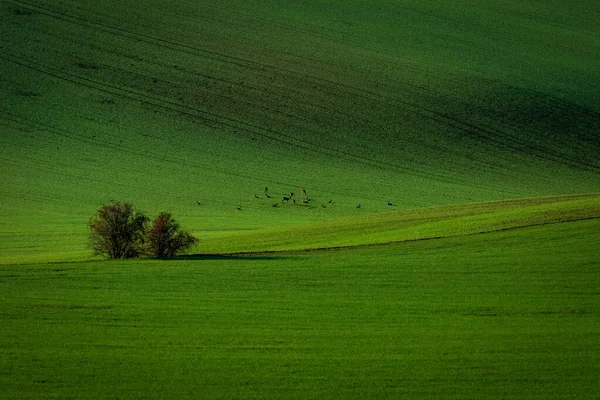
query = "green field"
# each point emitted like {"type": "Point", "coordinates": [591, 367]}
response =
{"type": "Point", "coordinates": [505, 315]}
{"type": "Point", "coordinates": [468, 132]}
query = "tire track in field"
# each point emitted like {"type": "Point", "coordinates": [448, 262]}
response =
{"type": "Point", "coordinates": [334, 36]}
{"type": "Point", "coordinates": [540, 124]}
{"type": "Point", "coordinates": [289, 139]}
{"type": "Point", "coordinates": [245, 63]}
{"type": "Point", "coordinates": [58, 132]}
{"type": "Point", "coordinates": [539, 149]}
{"type": "Point", "coordinates": [165, 43]}
{"type": "Point", "coordinates": [485, 134]}
{"type": "Point", "coordinates": [91, 140]}
{"type": "Point", "coordinates": [211, 119]}
{"type": "Point", "coordinates": [324, 85]}
{"type": "Point", "coordinates": [246, 86]}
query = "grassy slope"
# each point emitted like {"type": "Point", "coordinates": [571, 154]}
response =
{"type": "Point", "coordinates": [505, 315]}
{"type": "Point", "coordinates": [410, 225]}
{"type": "Point", "coordinates": [359, 102]}
{"type": "Point", "coordinates": [438, 107]}
{"type": "Point", "coordinates": [357, 230]}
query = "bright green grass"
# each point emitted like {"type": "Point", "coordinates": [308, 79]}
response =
{"type": "Point", "coordinates": [410, 225]}
{"type": "Point", "coordinates": [504, 315]}
{"type": "Point", "coordinates": [32, 244]}
{"type": "Point", "coordinates": [429, 105]}
{"type": "Point", "coordinates": [359, 102]}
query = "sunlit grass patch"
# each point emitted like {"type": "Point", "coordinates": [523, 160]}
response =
{"type": "Point", "coordinates": [409, 225]}
{"type": "Point", "coordinates": [509, 314]}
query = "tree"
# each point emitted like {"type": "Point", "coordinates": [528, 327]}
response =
{"type": "Point", "coordinates": [118, 231]}
{"type": "Point", "coordinates": [166, 239]}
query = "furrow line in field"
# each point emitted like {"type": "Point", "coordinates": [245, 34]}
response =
{"type": "Point", "coordinates": [27, 122]}
{"type": "Point", "coordinates": [130, 94]}
{"type": "Point", "coordinates": [306, 29]}
{"type": "Point", "coordinates": [156, 41]}
{"type": "Point", "coordinates": [488, 134]}
{"type": "Point", "coordinates": [324, 84]}
{"type": "Point", "coordinates": [6, 115]}
{"type": "Point", "coordinates": [74, 79]}
{"type": "Point", "coordinates": [94, 141]}
{"type": "Point", "coordinates": [246, 86]}
{"type": "Point", "coordinates": [478, 131]}
{"type": "Point", "coordinates": [209, 118]}
{"type": "Point", "coordinates": [328, 85]}
{"type": "Point", "coordinates": [234, 99]}
{"type": "Point", "coordinates": [503, 140]}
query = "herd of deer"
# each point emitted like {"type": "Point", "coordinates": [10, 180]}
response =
{"type": "Point", "coordinates": [290, 197]}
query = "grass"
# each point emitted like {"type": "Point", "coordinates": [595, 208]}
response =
{"type": "Point", "coordinates": [429, 105]}
{"type": "Point", "coordinates": [478, 122]}
{"type": "Point", "coordinates": [410, 225]}
{"type": "Point", "coordinates": [510, 314]}
{"type": "Point", "coordinates": [37, 245]}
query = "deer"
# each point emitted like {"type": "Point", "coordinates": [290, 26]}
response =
{"type": "Point", "coordinates": [288, 198]}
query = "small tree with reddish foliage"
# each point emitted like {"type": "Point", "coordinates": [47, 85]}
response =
{"type": "Point", "coordinates": [118, 231]}
{"type": "Point", "coordinates": [166, 239]}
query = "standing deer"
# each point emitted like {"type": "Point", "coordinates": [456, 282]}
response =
{"type": "Point", "coordinates": [288, 198]}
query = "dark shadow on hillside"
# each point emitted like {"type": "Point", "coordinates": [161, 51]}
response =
{"type": "Point", "coordinates": [223, 257]}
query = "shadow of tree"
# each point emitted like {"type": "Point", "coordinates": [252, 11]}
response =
{"type": "Point", "coordinates": [246, 257]}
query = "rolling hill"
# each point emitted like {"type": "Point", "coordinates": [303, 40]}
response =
{"type": "Point", "coordinates": [446, 246]}
{"type": "Point", "coordinates": [167, 105]}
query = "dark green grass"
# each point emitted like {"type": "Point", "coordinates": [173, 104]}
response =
{"type": "Point", "coordinates": [421, 105]}
{"type": "Point", "coordinates": [359, 102]}
{"type": "Point", "coordinates": [506, 315]}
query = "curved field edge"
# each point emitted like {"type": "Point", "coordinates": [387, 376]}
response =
{"type": "Point", "coordinates": [367, 230]}
{"type": "Point", "coordinates": [419, 224]}
{"type": "Point", "coordinates": [507, 315]}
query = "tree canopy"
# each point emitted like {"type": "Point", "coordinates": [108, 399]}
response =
{"type": "Point", "coordinates": [117, 231]}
